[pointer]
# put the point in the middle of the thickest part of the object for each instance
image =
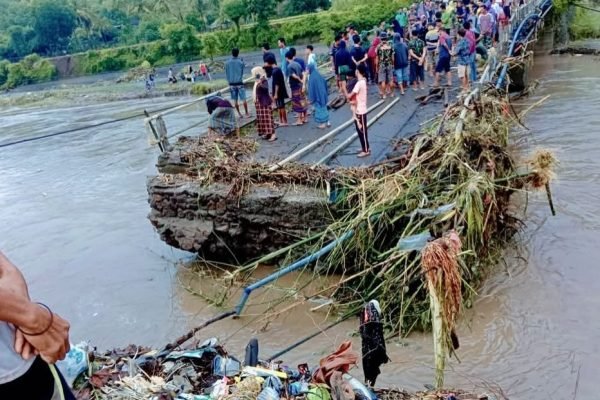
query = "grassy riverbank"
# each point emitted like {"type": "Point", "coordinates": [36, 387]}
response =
{"type": "Point", "coordinates": [103, 92]}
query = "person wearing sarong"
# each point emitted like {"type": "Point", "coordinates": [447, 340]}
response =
{"type": "Point", "coordinates": [317, 96]}
{"type": "Point", "coordinates": [295, 75]}
{"type": "Point", "coordinates": [222, 119]}
{"type": "Point", "coordinates": [265, 125]}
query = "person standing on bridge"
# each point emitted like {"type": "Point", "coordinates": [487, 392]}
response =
{"type": "Point", "coordinates": [358, 98]}
{"type": "Point", "coordinates": [463, 57]}
{"type": "Point", "coordinates": [283, 49]}
{"type": "Point", "coordinates": [445, 53]}
{"type": "Point", "coordinates": [400, 62]}
{"type": "Point", "coordinates": [385, 66]}
{"type": "Point", "coordinates": [279, 91]}
{"type": "Point", "coordinates": [296, 80]}
{"type": "Point", "coordinates": [32, 339]}
{"type": "Point", "coordinates": [318, 95]}
{"type": "Point", "coordinates": [263, 103]}
{"type": "Point", "coordinates": [417, 53]}
{"type": "Point", "coordinates": [234, 71]}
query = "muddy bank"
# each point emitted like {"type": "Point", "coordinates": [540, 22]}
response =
{"type": "Point", "coordinates": [576, 50]}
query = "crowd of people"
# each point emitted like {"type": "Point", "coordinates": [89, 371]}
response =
{"type": "Point", "coordinates": [417, 41]}
{"type": "Point", "coordinates": [190, 74]}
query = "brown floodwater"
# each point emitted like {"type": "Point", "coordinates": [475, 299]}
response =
{"type": "Point", "coordinates": [73, 217]}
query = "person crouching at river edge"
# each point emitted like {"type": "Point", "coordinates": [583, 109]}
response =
{"type": "Point", "coordinates": [318, 95]}
{"type": "Point", "coordinates": [221, 120]}
{"type": "Point", "coordinates": [358, 98]}
{"type": "Point", "coordinates": [265, 125]}
{"type": "Point", "coordinates": [32, 339]}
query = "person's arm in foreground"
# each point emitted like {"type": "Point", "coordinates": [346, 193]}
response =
{"type": "Point", "coordinates": [49, 333]}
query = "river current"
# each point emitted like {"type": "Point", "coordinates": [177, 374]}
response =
{"type": "Point", "coordinates": [73, 217]}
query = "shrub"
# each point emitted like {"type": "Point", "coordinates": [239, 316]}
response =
{"type": "Point", "coordinates": [181, 41]}
{"type": "Point", "coordinates": [4, 66]}
{"type": "Point", "coordinates": [202, 88]}
{"type": "Point", "coordinates": [32, 69]}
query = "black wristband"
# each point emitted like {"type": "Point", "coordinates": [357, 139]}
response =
{"type": "Point", "coordinates": [46, 329]}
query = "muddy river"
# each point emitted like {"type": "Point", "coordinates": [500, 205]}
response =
{"type": "Point", "coordinates": [73, 217]}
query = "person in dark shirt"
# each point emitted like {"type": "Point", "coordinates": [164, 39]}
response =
{"type": "Point", "coordinates": [334, 49]}
{"type": "Point", "coordinates": [358, 53]}
{"type": "Point", "coordinates": [344, 64]}
{"type": "Point", "coordinates": [400, 62]}
{"type": "Point", "coordinates": [443, 64]}
{"type": "Point", "coordinates": [268, 55]}
{"type": "Point", "coordinates": [222, 118]}
{"type": "Point", "coordinates": [279, 92]}
{"type": "Point", "coordinates": [299, 60]}
{"type": "Point", "coordinates": [268, 59]}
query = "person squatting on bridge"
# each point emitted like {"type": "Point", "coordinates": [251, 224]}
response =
{"type": "Point", "coordinates": [222, 119]}
{"type": "Point", "coordinates": [32, 340]}
{"type": "Point", "coordinates": [358, 103]}
{"type": "Point", "coordinates": [263, 102]}
{"type": "Point", "coordinates": [234, 71]}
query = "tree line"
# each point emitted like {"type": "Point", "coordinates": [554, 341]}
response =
{"type": "Point", "coordinates": [57, 27]}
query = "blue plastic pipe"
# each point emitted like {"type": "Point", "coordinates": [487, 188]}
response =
{"type": "Point", "coordinates": [291, 268]}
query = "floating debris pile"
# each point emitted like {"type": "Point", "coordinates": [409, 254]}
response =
{"type": "Point", "coordinates": [209, 372]}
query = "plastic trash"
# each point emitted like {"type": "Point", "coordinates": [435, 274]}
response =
{"type": "Point", "coordinates": [318, 393]}
{"type": "Point", "coordinates": [274, 383]}
{"type": "Point", "coordinates": [298, 388]}
{"type": "Point", "coordinates": [212, 342]}
{"type": "Point", "coordinates": [193, 397]}
{"type": "Point", "coordinates": [219, 389]}
{"type": "Point", "coordinates": [75, 363]}
{"type": "Point", "coordinates": [268, 394]}
{"type": "Point", "coordinates": [226, 366]}
{"type": "Point", "coordinates": [361, 390]}
{"type": "Point", "coordinates": [414, 242]}
{"type": "Point", "coordinates": [263, 372]}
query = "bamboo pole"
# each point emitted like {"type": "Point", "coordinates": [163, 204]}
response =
{"type": "Point", "coordinates": [439, 338]}
{"type": "Point", "coordinates": [353, 137]}
{"type": "Point", "coordinates": [320, 140]}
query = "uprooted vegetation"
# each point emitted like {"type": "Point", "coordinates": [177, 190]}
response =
{"type": "Point", "coordinates": [446, 179]}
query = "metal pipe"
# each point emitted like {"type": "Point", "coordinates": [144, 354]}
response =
{"type": "Point", "coordinates": [353, 137]}
{"type": "Point", "coordinates": [291, 268]}
{"type": "Point", "coordinates": [535, 14]}
{"type": "Point", "coordinates": [320, 140]}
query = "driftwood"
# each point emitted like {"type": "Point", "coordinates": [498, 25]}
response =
{"type": "Point", "coordinates": [576, 50]}
{"type": "Point", "coordinates": [182, 339]}
{"type": "Point", "coordinates": [434, 94]}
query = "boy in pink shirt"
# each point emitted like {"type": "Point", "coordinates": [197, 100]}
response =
{"type": "Point", "coordinates": [358, 98]}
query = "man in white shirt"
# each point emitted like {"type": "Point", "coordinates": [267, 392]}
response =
{"type": "Point", "coordinates": [32, 339]}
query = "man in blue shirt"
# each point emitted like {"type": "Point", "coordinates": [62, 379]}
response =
{"type": "Point", "coordinates": [283, 49]}
{"type": "Point", "coordinates": [234, 71]}
{"type": "Point", "coordinates": [299, 60]}
{"type": "Point", "coordinates": [463, 58]}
